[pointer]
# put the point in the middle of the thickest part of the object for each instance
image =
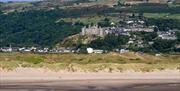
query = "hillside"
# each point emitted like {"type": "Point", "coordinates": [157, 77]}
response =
{"type": "Point", "coordinates": [46, 25]}
{"type": "Point", "coordinates": [41, 27]}
{"type": "Point", "coordinates": [38, 28]}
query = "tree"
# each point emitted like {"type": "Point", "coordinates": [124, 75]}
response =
{"type": "Point", "coordinates": [105, 23]}
{"type": "Point", "coordinates": [1, 12]}
{"type": "Point", "coordinates": [109, 42]}
{"type": "Point", "coordinates": [178, 36]}
{"type": "Point", "coordinates": [120, 2]}
{"type": "Point", "coordinates": [164, 24]}
{"type": "Point", "coordinates": [161, 45]}
{"type": "Point", "coordinates": [141, 15]}
{"type": "Point", "coordinates": [35, 28]}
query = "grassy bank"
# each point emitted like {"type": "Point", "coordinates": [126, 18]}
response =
{"type": "Point", "coordinates": [111, 62]}
{"type": "Point", "coordinates": [162, 15]}
{"type": "Point", "coordinates": [91, 19]}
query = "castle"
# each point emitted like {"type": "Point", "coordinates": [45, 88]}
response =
{"type": "Point", "coordinates": [93, 30]}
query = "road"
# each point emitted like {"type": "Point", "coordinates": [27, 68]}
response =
{"type": "Point", "coordinates": [92, 85]}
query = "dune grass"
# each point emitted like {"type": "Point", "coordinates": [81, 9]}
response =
{"type": "Point", "coordinates": [111, 62]}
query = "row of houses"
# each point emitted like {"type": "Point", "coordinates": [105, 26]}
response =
{"type": "Point", "coordinates": [37, 50]}
{"type": "Point", "coordinates": [98, 51]}
{"type": "Point", "coordinates": [55, 50]}
{"type": "Point", "coordinates": [167, 35]}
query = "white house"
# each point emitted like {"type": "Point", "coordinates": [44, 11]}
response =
{"type": "Point", "coordinates": [98, 51]}
{"type": "Point", "coordinates": [89, 50]}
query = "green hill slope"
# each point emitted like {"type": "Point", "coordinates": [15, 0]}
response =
{"type": "Point", "coordinates": [34, 28]}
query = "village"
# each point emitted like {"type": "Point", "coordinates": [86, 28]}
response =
{"type": "Point", "coordinates": [97, 31]}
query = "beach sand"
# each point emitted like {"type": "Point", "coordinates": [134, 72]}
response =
{"type": "Point", "coordinates": [45, 74]}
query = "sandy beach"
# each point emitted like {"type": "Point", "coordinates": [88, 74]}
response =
{"type": "Point", "coordinates": [38, 79]}
{"type": "Point", "coordinates": [45, 74]}
{"type": "Point", "coordinates": [93, 85]}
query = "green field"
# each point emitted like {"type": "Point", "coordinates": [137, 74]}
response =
{"type": "Point", "coordinates": [97, 18]}
{"type": "Point", "coordinates": [18, 4]}
{"type": "Point", "coordinates": [91, 19]}
{"type": "Point", "coordinates": [162, 15]}
{"type": "Point", "coordinates": [90, 62]}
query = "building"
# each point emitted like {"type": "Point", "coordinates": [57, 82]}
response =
{"type": "Point", "coordinates": [139, 29]}
{"type": "Point", "coordinates": [91, 50]}
{"type": "Point", "coordinates": [98, 51]}
{"type": "Point", "coordinates": [167, 35]}
{"type": "Point", "coordinates": [93, 30]}
{"type": "Point", "coordinates": [131, 2]}
{"type": "Point", "coordinates": [123, 51]}
{"type": "Point", "coordinates": [6, 49]}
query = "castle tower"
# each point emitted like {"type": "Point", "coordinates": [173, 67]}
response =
{"type": "Point", "coordinates": [83, 31]}
{"type": "Point", "coordinates": [101, 32]}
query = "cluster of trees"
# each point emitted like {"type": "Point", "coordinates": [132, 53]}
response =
{"type": "Point", "coordinates": [146, 36]}
{"type": "Point", "coordinates": [40, 27]}
{"type": "Point", "coordinates": [178, 36]}
{"type": "Point", "coordinates": [104, 23]}
{"type": "Point", "coordinates": [164, 24]}
{"type": "Point", "coordinates": [159, 45]}
{"type": "Point", "coordinates": [35, 28]}
{"type": "Point", "coordinates": [110, 42]}
{"type": "Point", "coordinates": [1, 2]}
{"type": "Point", "coordinates": [151, 8]}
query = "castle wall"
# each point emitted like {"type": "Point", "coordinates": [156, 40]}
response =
{"type": "Point", "coordinates": [93, 30]}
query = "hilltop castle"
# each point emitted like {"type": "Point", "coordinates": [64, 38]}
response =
{"type": "Point", "coordinates": [132, 26]}
{"type": "Point", "coordinates": [93, 30]}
